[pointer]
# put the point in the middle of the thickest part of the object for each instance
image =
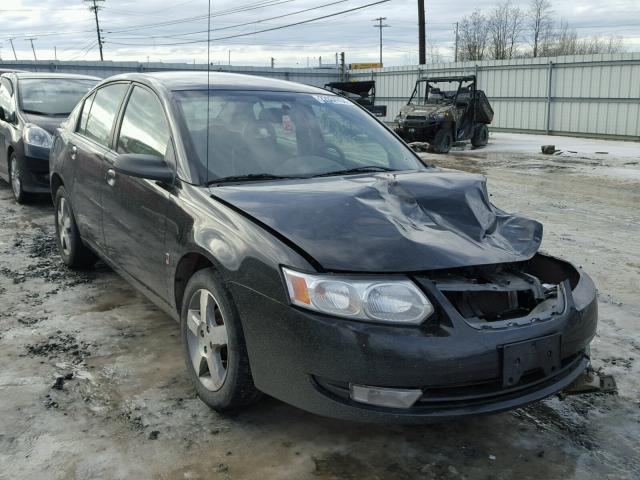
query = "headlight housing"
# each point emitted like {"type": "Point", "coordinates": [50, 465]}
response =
{"type": "Point", "coordinates": [397, 301]}
{"type": "Point", "coordinates": [36, 136]}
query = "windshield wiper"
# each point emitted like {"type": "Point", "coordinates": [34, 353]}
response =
{"type": "Point", "coordinates": [36, 112]}
{"type": "Point", "coordinates": [369, 168]}
{"type": "Point", "coordinates": [247, 178]}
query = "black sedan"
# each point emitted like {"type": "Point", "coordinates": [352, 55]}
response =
{"type": "Point", "coordinates": [309, 254]}
{"type": "Point", "coordinates": [32, 105]}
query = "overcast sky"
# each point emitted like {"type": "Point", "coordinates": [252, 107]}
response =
{"type": "Point", "coordinates": [131, 30]}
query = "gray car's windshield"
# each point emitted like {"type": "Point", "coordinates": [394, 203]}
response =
{"type": "Point", "coordinates": [52, 96]}
{"type": "Point", "coordinates": [270, 135]}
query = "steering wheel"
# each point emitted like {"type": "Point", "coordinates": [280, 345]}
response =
{"type": "Point", "coordinates": [333, 152]}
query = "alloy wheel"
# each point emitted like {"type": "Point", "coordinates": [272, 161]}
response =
{"type": "Point", "coordinates": [64, 226]}
{"type": "Point", "coordinates": [207, 339]}
{"type": "Point", "coordinates": [16, 184]}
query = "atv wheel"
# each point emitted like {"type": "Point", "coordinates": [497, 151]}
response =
{"type": "Point", "coordinates": [442, 141]}
{"type": "Point", "coordinates": [480, 136]}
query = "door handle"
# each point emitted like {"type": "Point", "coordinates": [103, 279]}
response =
{"type": "Point", "coordinates": [111, 177]}
{"type": "Point", "coordinates": [74, 151]}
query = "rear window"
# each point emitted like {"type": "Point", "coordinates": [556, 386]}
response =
{"type": "Point", "coordinates": [52, 96]}
{"type": "Point", "coordinates": [103, 112]}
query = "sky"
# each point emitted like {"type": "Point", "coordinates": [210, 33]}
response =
{"type": "Point", "coordinates": [175, 30]}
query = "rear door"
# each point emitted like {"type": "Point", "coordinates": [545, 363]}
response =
{"type": "Point", "coordinates": [90, 144]}
{"type": "Point", "coordinates": [134, 209]}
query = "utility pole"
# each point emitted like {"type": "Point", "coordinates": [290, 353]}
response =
{"type": "Point", "coordinates": [273, 62]}
{"type": "Point", "coordinates": [456, 55]}
{"type": "Point", "coordinates": [14, 50]}
{"type": "Point", "coordinates": [34, 50]}
{"type": "Point", "coordinates": [229, 57]}
{"type": "Point", "coordinates": [342, 66]}
{"type": "Point", "coordinates": [422, 36]}
{"type": "Point", "coordinates": [94, 7]}
{"type": "Point", "coordinates": [55, 53]}
{"type": "Point", "coordinates": [381, 26]}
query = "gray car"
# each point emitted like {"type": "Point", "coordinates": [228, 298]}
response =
{"type": "Point", "coordinates": [32, 105]}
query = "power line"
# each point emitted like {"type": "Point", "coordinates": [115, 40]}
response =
{"type": "Point", "coordinates": [94, 7]}
{"type": "Point", "coordinates": [302, 22]}
{"type": "Point", "coordinates": [262, 20]}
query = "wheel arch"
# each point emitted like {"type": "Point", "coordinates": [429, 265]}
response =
{"type": "Point", "coordinates": [187, 266]}
{"type": "Point", "coordinates": [56, 182]}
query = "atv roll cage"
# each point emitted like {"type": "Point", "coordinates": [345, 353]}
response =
{"type": "Point", "coordinates": [425, 92]}
{"type": "Point", "coordinates": [363, 93]}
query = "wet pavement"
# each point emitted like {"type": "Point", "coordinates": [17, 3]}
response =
{"type": "Point", "coordinates": [93, 385]}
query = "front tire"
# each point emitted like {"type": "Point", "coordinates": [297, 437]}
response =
{"type": "Point", "coordinates": [16, 176]}
{"type": "Point", "coordinates": [442, 141]}
{"type": "Point", "coordinates": [74, 253]}
{"type": "Point", "coordinates": [213, 344]}
{"type": "Point", "coordinates": [480, 136]}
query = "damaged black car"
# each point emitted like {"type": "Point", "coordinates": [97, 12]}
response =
{"type": "Point", "coordinates": [309, 254]}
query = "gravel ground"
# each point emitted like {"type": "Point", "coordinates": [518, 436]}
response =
{"type": "Point", "coordinates": [93, 385]}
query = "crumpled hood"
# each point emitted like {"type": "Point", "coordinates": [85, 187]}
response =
{"type": "Point", "coordinates": [48, 123]}
{"type": "Point", "coordinates": [389, 222]}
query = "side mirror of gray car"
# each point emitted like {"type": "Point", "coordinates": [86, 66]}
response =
{"type": "Point", "coordinates": [149, 167]}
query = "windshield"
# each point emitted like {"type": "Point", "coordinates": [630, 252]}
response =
{"type": "Point", "coordinates": [283, 134]}
{"type": "Point", "coordinates": [52, 96]}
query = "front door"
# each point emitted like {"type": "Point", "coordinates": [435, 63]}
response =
{"type": "Point", "coordinates": [90, 145]}
{"type": "Point", "coordinates": [6, 127]}
{"type": "Point", "coordinates": [134, 209]}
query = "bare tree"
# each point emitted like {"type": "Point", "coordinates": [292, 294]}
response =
{"type": "Point", "coordinates": [473, 37]}
{"type": "Point", "coordinates": [565, 41]}
{"type": "Point", "coordinates": [540, 19]}
{"type": "Point", "coordinates": [505, 25]}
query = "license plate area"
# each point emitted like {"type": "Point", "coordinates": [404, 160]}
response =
{"type": "Point", "coordinates": [521, 357]}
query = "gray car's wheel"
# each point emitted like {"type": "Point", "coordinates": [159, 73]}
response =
{"type": "Point", "coordinates": [442, 141]}
{"type": "Point", "coordinates": [16, 175]}
{"type": "Point", "coordinates": [480, 136]}
{"type": "Point", "coordinates": [74, 253]}
{"type": "Point", "coordinates": [213, 343]}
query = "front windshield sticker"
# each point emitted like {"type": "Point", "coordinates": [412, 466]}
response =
{"type": "Point", "coordinates": [335, 99]}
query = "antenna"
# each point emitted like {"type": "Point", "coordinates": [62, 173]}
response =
{"type": "Point", "coordinates": [208, 80]}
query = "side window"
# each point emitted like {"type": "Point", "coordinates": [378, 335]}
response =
{"type": "Point", "coordinates": [103, 111]}
{"type": "Point", "coordinates": [86, 108]}
{"type": "Point", "coordinates": [144, 125]}
{"type": "Point", "coordinates": [6, 96]}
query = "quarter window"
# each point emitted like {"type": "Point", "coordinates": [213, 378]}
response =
{"type": "Point", "coordinates": [103, 112]}
{"type": "Point", "coordinates": [6, 96]}
{"type": "Point", "coordinates": [86, 108]}
{"type": "Point", "coordinates": [144, 126]}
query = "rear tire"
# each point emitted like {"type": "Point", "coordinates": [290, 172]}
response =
{"type": "Point", "coordinates": [480, 136]}
{"type": "Point", "coordinates": [213, 344]}
{"type": "Point", "coordinates": [16, 177]}
{"type": "Point", "coordinates": [442, 141]}
{"type": "Point", "coordinates": [74, 253]}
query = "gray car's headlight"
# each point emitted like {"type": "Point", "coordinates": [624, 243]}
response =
{"type": "Point", "coordinates": [36, 136]}
{"type": "Point", "coordinates": [397, 301]}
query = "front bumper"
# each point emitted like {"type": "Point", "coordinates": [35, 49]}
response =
{"type": "Point", "coordinates": [309, 360]}
{"type": "Point", "coordinates": [35, 177]}
{"type": "Point", "coordinates": [418, 131]}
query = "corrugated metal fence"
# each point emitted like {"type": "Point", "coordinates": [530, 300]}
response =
{"type": "Point", "coordinates": [587, 95]}
{"type": "Point", "coordinates": [311, 76]}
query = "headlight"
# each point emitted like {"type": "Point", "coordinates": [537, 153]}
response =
{"type": "Point", "coordinates": [370, 299]}
{"type": "Point", "coordinates": [36, 136]}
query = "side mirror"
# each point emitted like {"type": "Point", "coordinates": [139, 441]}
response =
{"type": "Point", "coordinates": [149, 167]}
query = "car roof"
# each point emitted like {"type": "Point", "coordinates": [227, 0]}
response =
{"type": "Point", "coordinates": [188, 80]}
{"type": "Point", "coordinates": [74, 76]}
